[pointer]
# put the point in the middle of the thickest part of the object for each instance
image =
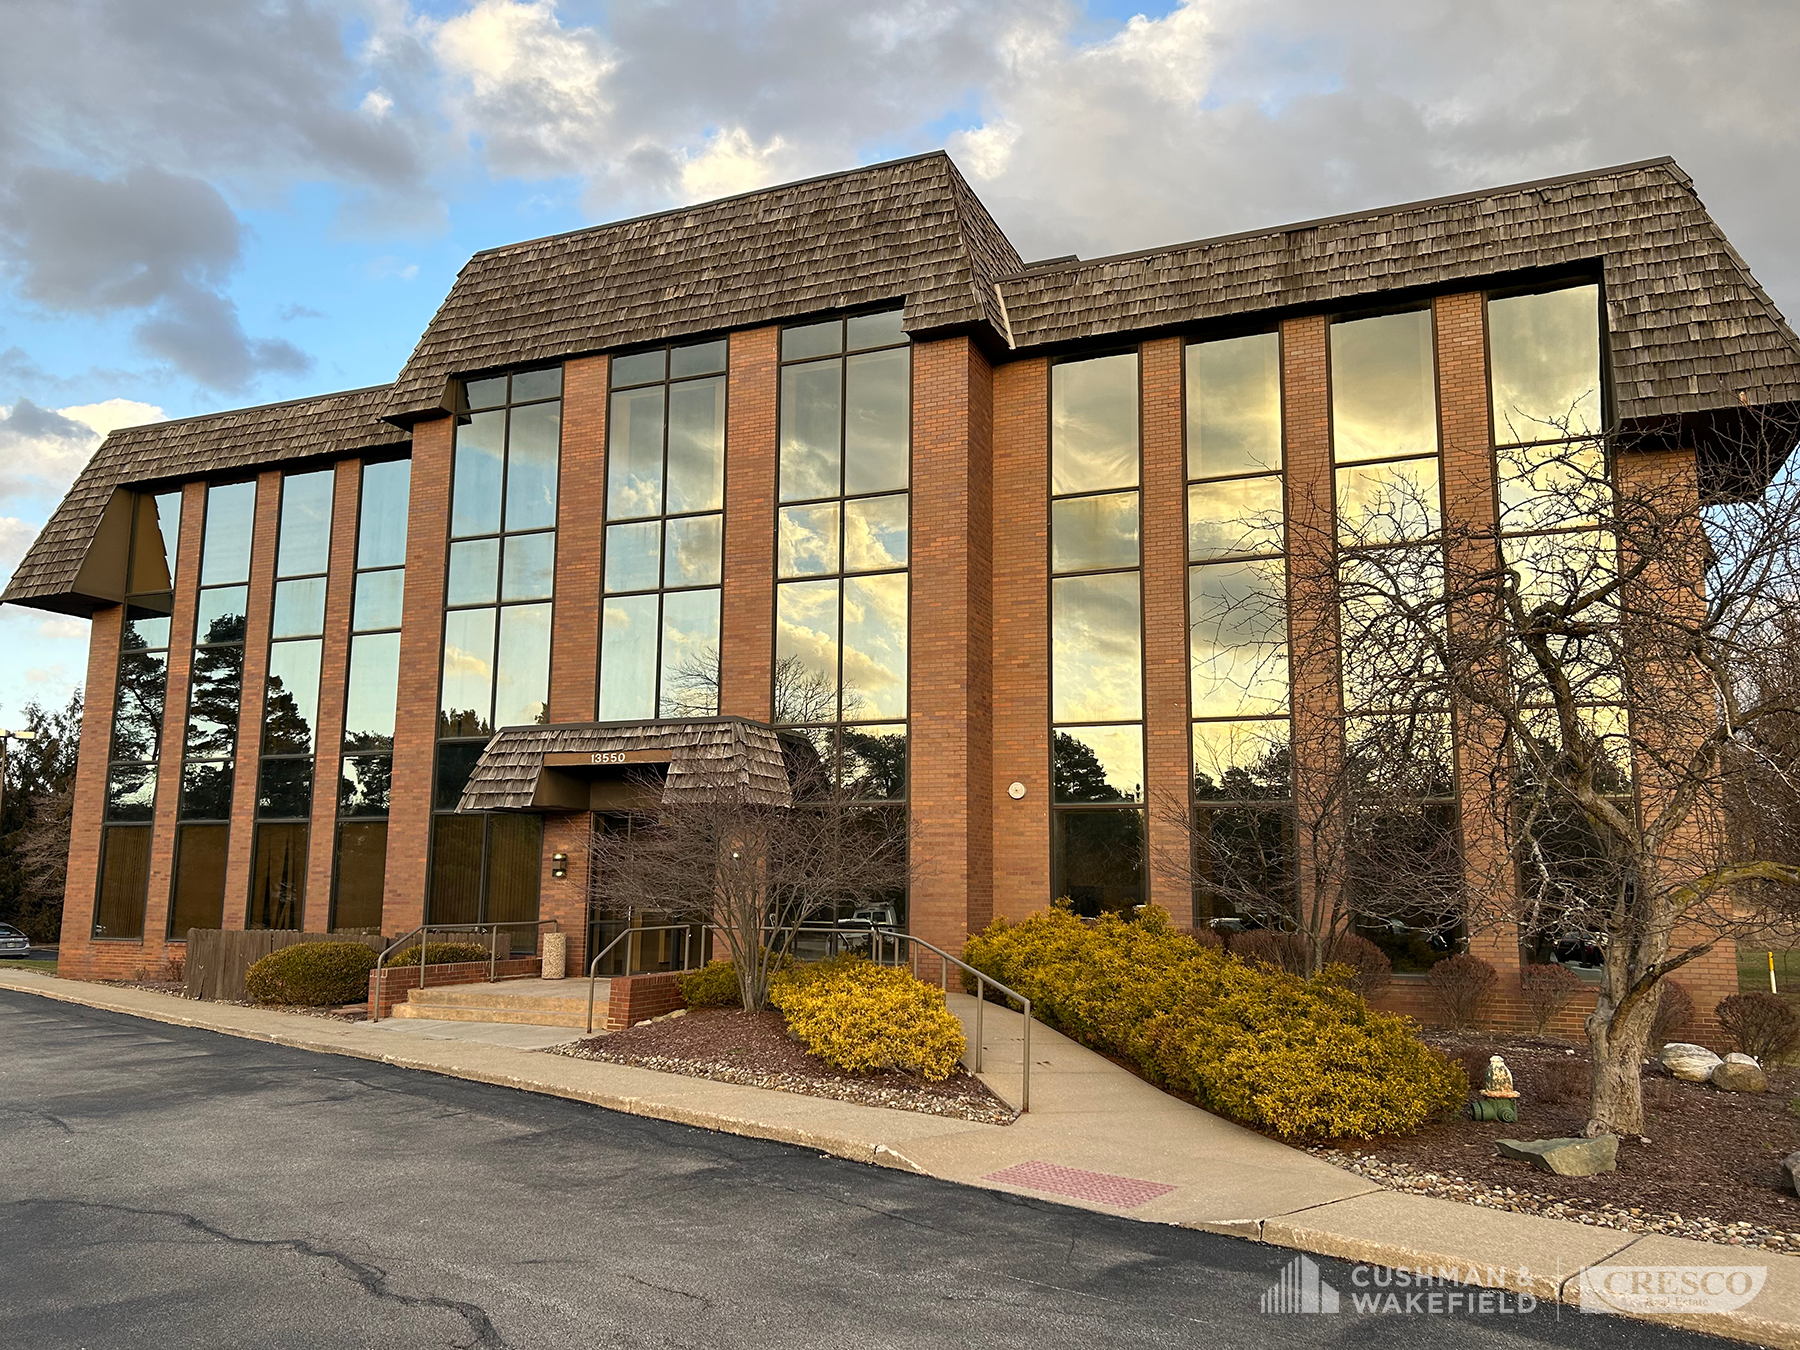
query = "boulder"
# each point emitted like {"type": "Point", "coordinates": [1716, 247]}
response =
{"type": "Point", "coordinates": [1694, 1063]}
{"type": "Point", "coordinates": [1565, 1157]}
{"type": "Point", "coordinates": [1790, 1172]}
{"type": "Point", "coordinates": [1739, 1073]}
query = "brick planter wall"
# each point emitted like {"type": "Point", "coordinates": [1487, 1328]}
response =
{"type": "Point", "coordinates": [637, 998]}
{"type": "Point", "coordinates": [398, 981]}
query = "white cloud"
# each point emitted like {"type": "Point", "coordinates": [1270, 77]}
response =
{"type": "Point", "coordinates": [15, 537]}
{"type": "Point", "coordinates": [42, 449]}
{"type": "Point", "coordinates": [62, 628]}
{"type": "Point", "coordinates": [731, 163]}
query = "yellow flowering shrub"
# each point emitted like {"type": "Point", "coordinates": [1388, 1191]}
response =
{"type": "Point", "coordinates": [865, 1018]}
{"type": "Point", "coordinates": [1299, 1058]}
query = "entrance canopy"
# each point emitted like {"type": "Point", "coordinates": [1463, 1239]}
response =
{"type": "Point", "coordinates": [582, 766]}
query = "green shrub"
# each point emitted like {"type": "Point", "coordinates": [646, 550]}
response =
{"type": "Point", "coordinates": [1299, 1058]}
{"type": "Point", "coordinates": [714, 985]}
{"type": "Point", "coordinates": [865, 1018]}
{"type": "Point", "coordinates": [441, 954]}
{"type": "Point", "coordinates": [312, 974]}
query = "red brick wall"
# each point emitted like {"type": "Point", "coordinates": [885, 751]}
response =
{"type": "Point", "coordinates": [78, 955]}
{"type": "Point", "coordinates": [1167, 738]}
{"type": "Point", "coordinates": [747, 620]}
{"type": "Point", "coordinates": [421, 656]}
{"type": "Point", "coordinates": [1021, 641]}
{"type": "Point", "coordinates": [580, 534]}
{"type": "Point", "coordinates": [636, 998]}
{"type": "Point", "coordinates": [565, 898]}
{"type": "Point", "coordinates": [950, 753]}
{"type": "Point", "coordinates": [334, 673]}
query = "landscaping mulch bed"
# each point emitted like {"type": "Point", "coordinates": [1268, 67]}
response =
{"type": "Point", "coordinates": [755, 1050]}
{"type": "Point", "coordinates": [1708, 1166]}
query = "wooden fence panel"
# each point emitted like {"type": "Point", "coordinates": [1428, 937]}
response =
{"type": "Point", "coordinates": [218, 960]}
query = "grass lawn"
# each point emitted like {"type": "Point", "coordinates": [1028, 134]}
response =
{"type": "Point", "coordinates": [47, 967]}
{"type": "Point", "coordinates": [1753, 970]}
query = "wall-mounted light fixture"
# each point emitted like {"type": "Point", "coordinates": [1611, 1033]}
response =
{"type": "Point", "coordinates": [559, 864]}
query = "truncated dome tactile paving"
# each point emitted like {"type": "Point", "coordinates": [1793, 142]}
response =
{"type": "Point", "coordinates": [1101, 1187]}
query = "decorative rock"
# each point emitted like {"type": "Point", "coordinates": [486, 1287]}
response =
{"type": "Point", "coordinates": [1693, 1063]}
{"type": "Point", "coordinates": [1790, 1172]}
{"type": "Point", "coordinates": [1739, 1073]}
{"type": "Point", "coordinates": [1565, 1157]}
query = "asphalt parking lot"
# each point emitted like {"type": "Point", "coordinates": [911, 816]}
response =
{"type": "Point", "coordinates": [161, 1186]}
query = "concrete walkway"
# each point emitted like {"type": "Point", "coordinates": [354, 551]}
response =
{"type": "Point", "coordinates": [1096, 1137]}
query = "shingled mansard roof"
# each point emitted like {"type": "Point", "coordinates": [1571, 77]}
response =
{"type": "Point", "coordinates": [705, 757]}
{"type": "Point", "coordinates": [168, 452]}
{"type": "Point", "coordinates": [1694, 339]}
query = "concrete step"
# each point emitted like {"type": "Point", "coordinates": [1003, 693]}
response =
{"type": "Point", "coordinates": [467, 1012]}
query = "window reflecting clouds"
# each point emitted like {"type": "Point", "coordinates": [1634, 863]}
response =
{"type": "Point", "coordinates": [522, 684]}
{"type": "Point", "coordinates": [1237, 630]}
{"type": "Point", "coordinates": [1383, 387]}
{"type": "Point", "coordinates": [1544, 364]}
{"type": "Point", "coordinates": [697, 445]}
{"type": "Point", "coordinates": [690, 642]}
{"type": "Point", "coordinates": [1094, 424]}
{"type": "Point", "coordinates": [1235, 517]}
{"type": "Point", "coordinates": [299, 608]}
{"type": "Point", "coordinates": [628, 664]}
{"type": "Point", "coordinates": [1098, 764]}
{"type": "Point", "coordinates": [381, 524]}
{"type": "Point", "coordinates": [1234, 406]}
{"type": "Point", "coordinates": [1388, 503]}
{"type": "Point", "coordinates": [875, 640]}
{"type": "Point", "coordinates": [1243, 761]}
{"type": "Point", "coordinates": [877, 421]}
{"type": "Point", "coordinates": [468, 685]}
{"type": "Point", "coordinates": [372, 691]}
{"type": "Point", "coordinates": [1096, 633]}
{"type": "Point", "coordinates": [875, 533]}
{"type": "Point", "coordinates": [806, 629]}
{"type": "Point", "coordinates": [693, 551]}
{"type": "Point", "coordinates": [807, 538]}
{"type": "Point", "coordinates": [304, 545]}
{"type": "Point", "coordinates": [530, 572]}
{"type": "Point", "coordinates": [811, 430]}
{"type": "Point", "coordinates": [480, 452]}
{"type": "Point", "coordinates": [634, 454]}
{"type": "Point", "coordinates": [1087, 533]}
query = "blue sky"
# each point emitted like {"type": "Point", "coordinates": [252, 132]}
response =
{"type": "Point", "coordinates": [211, 203]}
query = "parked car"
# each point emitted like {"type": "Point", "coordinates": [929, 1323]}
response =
{"type": "Point", "coordinates": [13, 942]}
{"type": "Point", "coordinates": [860, 927]}
{"type": "Point", "coordinates": [1580, 948]}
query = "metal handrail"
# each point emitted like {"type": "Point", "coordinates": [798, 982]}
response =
{"type": "Point", "coordinates": [686, 929]}
{"type": "Point", "coordinates": [492, 929]}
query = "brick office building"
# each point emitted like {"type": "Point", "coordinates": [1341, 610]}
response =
{"type": "Point", "coordinates": [828, 455]}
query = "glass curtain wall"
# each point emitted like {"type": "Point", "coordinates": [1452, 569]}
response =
{"type": "Point", "coordinates": [1096, 635]}
{"type": "Point", "coordinates": [496, 669]}
{"type": "Point", "coordinates": [1403, 843]}
{"type": "Point", "coordinates": [291, 702]}
{"type": "Point", "coordinates": [136, 747]}
{"type": "Point", "coordinates": [215, 692]}
{"type": "Point", "coordinates": [1237, 629]}
{"type": "Point", "coordinates": [366, 771]}
{"type": "Point", "coordinates": [665, 502]}
{"type": "Point", "coordinates": [1555, 499]}
{"type": "Point", "coordinates": [842, 548]}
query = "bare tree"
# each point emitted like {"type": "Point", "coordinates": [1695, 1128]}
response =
{"type": "Point", "coordinates": [756, 867]}
{"type": "Point", "coordinates": [1617, 648]}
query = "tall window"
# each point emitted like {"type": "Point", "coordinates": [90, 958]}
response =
{"type": "Point", "coordinates": [1096, 635]}
{"type": "Point", "coordinates": [841, 599]}
{"type": "Point", "coordinates": [1403, 845]}
{"type": "Point", "coordinates": [291, 702]}
{"type": "Point", "coordinates": [215, 692]}
{"type": "Point", "coordinates": [665, 501]}
{"type": "Point", "coordinates": [143, 681]}
{"type": "Point", "coordinates": [366, 771]}
{"type": "Point", "coordinates": [1555, 500]}
{"type": "Point", "coordinates": [1237, 628]}
{"type": "Point", "coordinates": [496, 669]}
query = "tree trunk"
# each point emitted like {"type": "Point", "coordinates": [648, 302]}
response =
{"type": "Point", "coordinates": [1618, 1030]}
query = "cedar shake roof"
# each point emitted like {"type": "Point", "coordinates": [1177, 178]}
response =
{"type": "Point", "coordinates": [1693, 339]}
{"type": "Point", "coordinates": [907, 229]}
{"type": "Point", "coordinates": [168, 452]}
{"type": "Point", "coordinates": [705, 756]}
{"type": "Point", "coordinates": [1690, 327]}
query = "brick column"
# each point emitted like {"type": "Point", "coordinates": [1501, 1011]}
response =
{"type": "Point", "coordinates": [264, 538]}
{"type": "Point", "coordinates": [334, 677]}
{"type": "Point", "coordinates": [580, 539]}
{"type": "Point", "coordinates": [1021, 643]}
{"type": "Point", "coordinates": [747, 619]}
{"type": "Point", "coordinates": [1167, 738]}
{"type": "Point", "coordinates": [88, 810]}
{"type": "Point", "coordinates": [1312, 606]}
{"type": "Point", "coordinates": [565, 898]}
{"type": "Point", "coordinates": [421, 659]}
{"type": "Point", "coordinates": [1470, 524]}
{"type": "Point", "coordinates": [168, 767]}
{"type": "Point", "coordinates": [951, 615]}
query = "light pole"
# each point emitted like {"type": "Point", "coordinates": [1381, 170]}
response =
{"type": "Point", "coordinates": [5, 737]}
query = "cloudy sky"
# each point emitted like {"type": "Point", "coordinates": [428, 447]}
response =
{"type": "Point", "coordinates": [210, 203]}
